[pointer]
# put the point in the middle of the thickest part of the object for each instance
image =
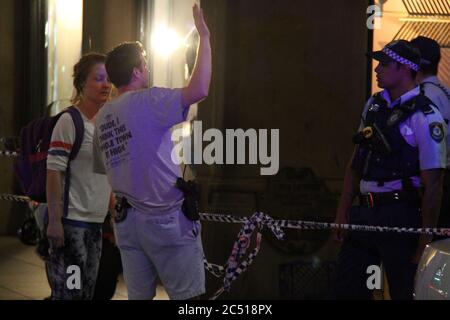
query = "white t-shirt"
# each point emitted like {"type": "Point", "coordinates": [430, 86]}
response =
{"type": "Point", "coordinates": [89, 192]}
{"type": "Point", "coordinates": [133, 146]}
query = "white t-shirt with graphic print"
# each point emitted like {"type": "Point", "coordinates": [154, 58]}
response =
{"type": "Point", "coordinates": [133, 146]}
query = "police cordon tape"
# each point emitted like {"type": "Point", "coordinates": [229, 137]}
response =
{"type": "Point", "coordinates": [233, 270]}
{"type": "Point", "coordinates": [10, 154]}
{"type": "Point", "coordinates": [235, 267]}
{"type": "Point", "coordinates": [291, 224]}
{"type": "Point", "coordinates": [310, 225]}
{"type": "Point", "coordinates": [14, 198]}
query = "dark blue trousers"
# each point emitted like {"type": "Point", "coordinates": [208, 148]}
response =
{"type": "Point", "coordinates": [363, 249]}
{"type": "Point", "coordinates": [444, 216]}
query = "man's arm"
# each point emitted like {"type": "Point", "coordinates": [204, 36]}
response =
{"type": "Point", "coordinates": [430, 132]}
{"type": "Point", "coordinates": [198, 87]}
{"type": "Point", "coordinates": [433, 181]}
{"type": "Point", "coordinates": [349, 192]}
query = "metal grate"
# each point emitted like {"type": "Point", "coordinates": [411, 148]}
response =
{"type": "Point", "coordinates": [437, 30]}
{"type": "Point", "coordinates": [429, 18]}
{"type": "Point", "coordinates": [428, 7]}
{"type": "Point", "coordinates": [305, 281]}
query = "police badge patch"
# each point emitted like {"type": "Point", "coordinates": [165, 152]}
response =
{"type": "Point", "coordinates": [437, 131]}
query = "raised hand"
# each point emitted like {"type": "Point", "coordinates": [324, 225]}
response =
{"type": "Point", "coordinates": [200, 23]}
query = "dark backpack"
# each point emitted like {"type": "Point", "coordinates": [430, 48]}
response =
{"type": "Point", "coordinates": [31, 166]}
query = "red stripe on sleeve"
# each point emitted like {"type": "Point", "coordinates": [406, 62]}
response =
{"type": "Point", "coordinates": [60, 144]}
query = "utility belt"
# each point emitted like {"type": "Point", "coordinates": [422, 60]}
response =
{"type": "Point", "coordinates": [190, 205]}
{"type": "Point", "coordinates": [372, 200]}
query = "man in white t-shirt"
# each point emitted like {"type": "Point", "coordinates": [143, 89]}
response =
{"type": "Point", "coordinates": [133, 146]}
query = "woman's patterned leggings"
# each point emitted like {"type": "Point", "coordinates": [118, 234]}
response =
{"type": "Point", "coordinates": [72, 270]}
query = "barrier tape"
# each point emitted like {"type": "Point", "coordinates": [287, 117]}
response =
{"type": "Point", "coordinates": [14, 198]}
{"type": "Point", "coordinates": [310, 225]}
{"type": "Point", "coordinates": [235, 267]}
{"type": "Point", "coordinates": [232, 270]}
{"type": "Point", "coordinates": [10, 154]}
{"type": "Point", "coordinates": [291, 224]}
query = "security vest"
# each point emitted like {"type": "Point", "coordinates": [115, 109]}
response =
{"type": "Point", "coordinates": [383, 155]}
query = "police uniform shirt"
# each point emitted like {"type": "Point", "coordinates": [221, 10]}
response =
{"type": "Point", "coordinates": [442, 101]}
{"type": "Point", "coordinates": [418, 130]}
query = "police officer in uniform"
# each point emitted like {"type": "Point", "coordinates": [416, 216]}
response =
{"type": "Point", "coordinates": [439, 94]}
{"type": "Point", "coordinates": [400, 151]}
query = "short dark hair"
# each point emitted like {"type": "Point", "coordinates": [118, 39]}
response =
{"type": "Point", "coordinates": [430, 51]}
{"type": "Point", "coordinates": [81, 71]}
{"type": "Point", "coordinates": [121, 62]}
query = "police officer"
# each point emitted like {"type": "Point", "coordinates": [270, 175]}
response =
{"type": "Point", "coordinates": [434, 89]}
{"type": "Point", "coordinates": [399, 149]}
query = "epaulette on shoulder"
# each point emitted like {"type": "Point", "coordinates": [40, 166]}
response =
{"type": "Point", "coordinates": [427, 109]}
{"type": "Point", "coordinates": [424, 104]}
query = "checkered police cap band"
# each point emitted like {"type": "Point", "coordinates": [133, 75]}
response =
{"type": "Point", "coordinates": [400, 59]}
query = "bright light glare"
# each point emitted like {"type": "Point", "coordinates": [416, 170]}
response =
{"type": "Point", "coordinates": [70, 13]}
{"type": "Point", "coordinates": [165, 42]}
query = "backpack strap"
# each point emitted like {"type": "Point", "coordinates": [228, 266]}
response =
{"type": "Point", "coordinates": [79, 135]}
{"type": "Point", "coordinates": [79, 131]}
